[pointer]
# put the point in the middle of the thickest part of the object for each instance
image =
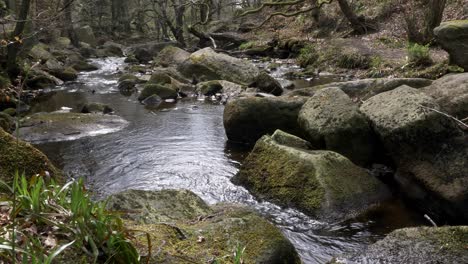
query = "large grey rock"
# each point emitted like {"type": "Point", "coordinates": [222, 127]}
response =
{"type": "Point", "coordinates": [178, 219]}
{"type": "Point", "coordinates": [171, 56]}
{"type": "Point", "coordinates": [323, 184]}
{"type": "Point", "coordinates": [404, 122]}
{"type": "Point", "coordinates": [86, 34]}
{"type": "Point", "coordinates": [146, 51]}
{"type": "Point", "coordinates": [443, 245]}
{"type": "Point", "coordinates": [451, 93]}
{"type": "Point", "coordinates": [267, 84]}
{"type": "Point", "coordinates": [366, 88]}
{"type": "Point", "coordinates": [453, 36]}
{"type": "Point", "coordinates": [248, 119]}
{"type": "Point", "coordinates": [331, 120]}
{"type": "Point", "coordinates": [436, 180]}
{"type": "Point", "coordinates": [209, 65]}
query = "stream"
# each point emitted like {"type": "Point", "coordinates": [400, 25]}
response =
{"type": "Point", "coordinates": [183, 146]}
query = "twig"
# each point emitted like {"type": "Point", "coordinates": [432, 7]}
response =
{"type": "Point", "coordinates": [430, 220]}
{"type": "Point", "coordinates": [460, 122]}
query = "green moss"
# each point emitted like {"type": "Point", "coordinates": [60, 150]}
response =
{"type": "Point", "coordinates": [160, 78]}
{"type": "Point", "coordinates": [308, 56]}
{"type": "Point", "coordinates": [128, 76]}
{"type": "Point", "coordinates": [4, 81]}
{"type": "Point", "coordinates": [353, 61]}
{"type": "Point", "coordinates": [210, 88]}
{"type": "Point", "coordinates": [418, 55]}
{"type": "Point", "coordinates": [19, 155]}
{"type": "Point", "coordinates": [247, 45]}
{"type": "Point", "coordinates": [162, 91]}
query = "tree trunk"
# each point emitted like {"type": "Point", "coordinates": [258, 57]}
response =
{"type": "Point", "coordinates": [356, 23]}
{"type": "Point", "coordinates": [70, 32]}
{"type": "Point", "coordinates": [421, 19]}
{"type": "Point", "coordinates": [13, 49]}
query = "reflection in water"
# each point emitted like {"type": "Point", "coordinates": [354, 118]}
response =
{"type": "Point", "coordinates": [184, 147]}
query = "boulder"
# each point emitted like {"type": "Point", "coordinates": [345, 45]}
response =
{"type": "Point", "coordinates": [436, 180]}
{"type": "Point", "coordinates": [162, 91]}
{"type": "Point", "coordinates": [331, 120]}
{"type": "Point", "coordinates": [62, 42]}
{"type": "Point", "coordinates": [161, 78]}
{"type": "Point", "coordinates": [248, 119]}
{"type": "Point", "coordinates": [39, 79]}
{"type": "Point", "coordinates": [112, 49]}
{"type": "Point", "coordinates": [188, 230]}
{"type": "Point", "coordinates": [404, 122]}
{"type": "Point", "coordinates": [96, 108]}
{"type": "Point", "coordinates": [19, 155]}
{"type": "Point", "coordinates": [131, 59]}
{"type": "Point", "coordinates": [6, 122]}
{"type": "Point", "coordinates": [265, 83]}
{"type": "Point", "coordinates": [451, 94]}
{"type": "Point", "coordinates": [142, 55]}
{"type": "Point", "coordinates": [322, 184]}
{"type": "Point", "coordinates": [152, 101]}
{"type": "Point", "coordinates": [171, 56]}
{"type": "Point", "coordinates": [65, 74]}
{"type": "Point", "coordinates": [39, 52]}
{"type": "Point", "coordinates": [207, 65]}
{"type": "Point", "coordinates": [289, 140]}
{"type": "Point", "coordinates": [84, 66]}
{"type": "Point", "coordinates": [209, 88]}
{"type": "Point", "coordinates": [442, 245]}
{"type": "Point", "coordinates": [86, 34]}
{"type": "Point", "coordinates": [453, 37]}
{"type": "Point", "coordinates": [366, 88]}
{"type": "Point", "coordinates": [59, 126]}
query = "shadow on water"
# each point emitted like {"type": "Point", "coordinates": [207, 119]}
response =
{"type": "Point", "coordinates": [183, 146]}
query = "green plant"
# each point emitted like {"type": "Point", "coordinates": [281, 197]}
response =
{"type": "Point", "coordinates": [308, 55]}
{"type": "Point", "coordinates": [419, 55]}
{"type": "Point", "coordinates": [354, 61]}
{"type": "Point", "coordinates": [50, 218]}
{"type": "Point", "coordinates": [247, 45]}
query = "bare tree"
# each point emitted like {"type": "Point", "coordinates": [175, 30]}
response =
{"type": "Point", "coordinates": [421, 18]}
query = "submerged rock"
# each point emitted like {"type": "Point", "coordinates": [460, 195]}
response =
{"type": "Point", "coordinates": [58, 126]}
{"type": "Point", "coordinates": [323, 184]}
{"type": "Point", "coordinates": [152, 101]}
{"type": "Point", "coordinates": [96, 108]}
{"type": "Point", "coordinates": [453, 36]}
{"type": "Point", "coordinates": [416, 245]}
{"type": "Point", "coordinates": [209, 65]}
{"type": "Point", "coordinates": [19, 155]}
{"type": "Point", "coordinates": [248, 119]}
{"type": "Point", "coordinates": [187, 229]}
{"type": "Point", "coordinates": [331, 120]}
{"type": "Point", "coordinates": [451, 94]}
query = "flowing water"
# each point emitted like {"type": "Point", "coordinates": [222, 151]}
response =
{"type": "Point", "coordinates": [183, 146]}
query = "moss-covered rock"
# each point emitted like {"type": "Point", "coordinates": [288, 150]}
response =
{"type": "Point", "coordinates": [188, 230]}
{"type": "Point", "coordinates": [162, 91]}
{"type": "Point", "coordinates": [84, 66]}
{"type": "Point", "coordinates": [451, 93]}
{"type": "Point", "coordinates": [40, 52]}
{"type": "Point", "coordinates": [128, 76]}
{"type": "Point", "coordinates": [131, 59]}
{"type": "Point", "coordinates": [209, 88]}
{"type": "Point", "coordinates": [19, 155]}
{"type": "Point", "coordinates": [331, 120]}
{"type": "Point", "coordinates": [39, 79]}
{"type": "Point", "coordinates": [160, 78]}
{"type": "Point", "coordinates": [248, 119]}
{"type": "Point", "coordinates": [416, 245]}
{"type": "Point", "coordinates": [323, 184]}
{"type": "Point", "coordinates": [404, 121]}
{"type": "Point", "coordinates": [66, 74]}
{"type": "Point", "coordinates": [453, 36]}
{"type": "Point", "coordinates": [171, 56]}
{"type": "Point", "coordinates": [86, 34]}
{"type": "Point", "coordinates": [6, 122]}
{"type": "Point", "coordinates": [267, 84]}
{"type": "Point", "coordinates": [217, 66]}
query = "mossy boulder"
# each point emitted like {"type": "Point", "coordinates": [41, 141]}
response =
{"type": "Point", "coordinates": [366, 88]}
{"type": "Point", "coordinates": [86, 34]}
{"type": "Point", "coordinates": [143, 55]}
{"type": "Point", "coordinates": [267, 84]}
{"type": "Point", "coordinates": [39, 79]}
{"type": "Point", "coordinates": [19, 155]}
{"type": "Point", "coordinates": [65, 74]}
{"type": "Point", "coordinates": [435, 179]}
{"type": "Point", "coordinates": [188, 230]}
{"type": "Point", "coordinates": [209, 88]}
{"type": "Point", "coordinates": [404, 121]}
{"type": "Point", "coordinates": [442, 245]}
{"type": "Point", "coordinates": [62, 42]}
{"type": "Point", "coordinates": [451, 94]}
{"type": "Point", "coordinates": [331, 120]}
{"type": "Point", "coordinates": [171, 56]}
{"type": "Point", "coordinates": [131, 59]}
{"type": "Point", "coordinates": [6, 122]}
{"type": "Point", "coordinates": [210, 65]}
{"type": "Point", "coordinates": [162, 91]}
{"type": "Point", "coordinates": [322, 184]}
{"type": "Point", "coordinates": [248, 119]}
{"type": "Point", "coordinates": [40, 52]}
{"type": "Point", "coordinates": [128, 76]}
{"type": "Point", "coordinates": [112, 49]}
{"type": "Point", "coordinates": [84, 66]}
{"type": "Point", "coordinates": [453, 37]}
{"type": "Point", "coordinates": [97, 108]}
{"type": "Point", "coordinates": [160, 78]}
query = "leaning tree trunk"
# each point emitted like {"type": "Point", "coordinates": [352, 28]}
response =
{"type": "Point", "coordinates": [356, 23]}
{"type": "Point", "coordinates": [13, 49]}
